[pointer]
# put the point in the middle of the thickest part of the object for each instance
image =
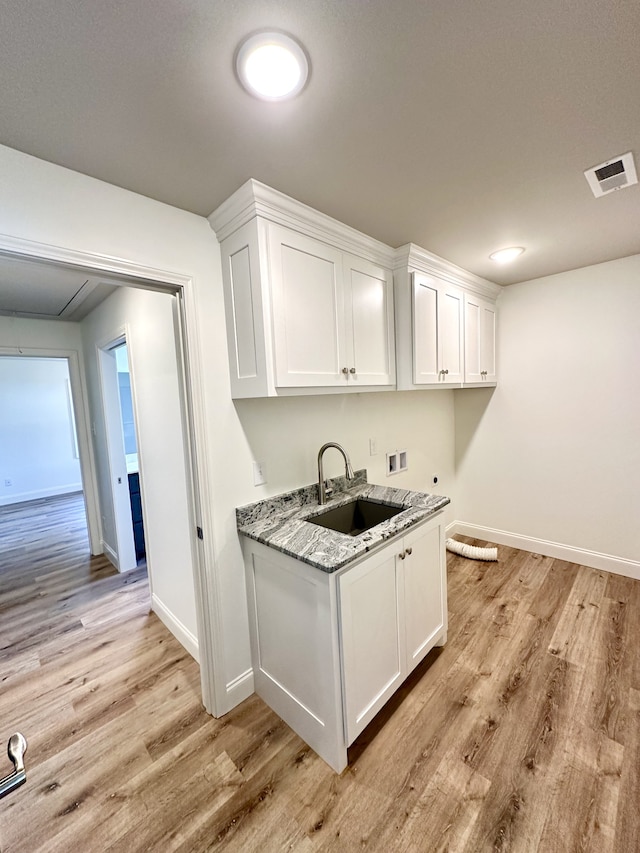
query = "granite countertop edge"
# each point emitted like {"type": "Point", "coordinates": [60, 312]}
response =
{"type": "Point", "coordinates": [281, 522]}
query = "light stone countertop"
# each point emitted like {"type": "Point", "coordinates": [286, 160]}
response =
{"type": "Point", "coordinates": [280, 522]}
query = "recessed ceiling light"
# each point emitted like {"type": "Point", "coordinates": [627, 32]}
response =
{"type": "Point", "coordinates": [504, 256]}
{"type": "Point", "coordinates": [272, 66]}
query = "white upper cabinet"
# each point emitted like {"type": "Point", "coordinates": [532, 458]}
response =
{"type": "Point", "coordinates": [312, 306]}
{"type": "Point", "coordinates": [304, 315]}
{"type": "Point", "coordinates": [437, 332]}
{"type": "Point", "coordinates": [445, 332]}
{"type": "Point", "coordinates": [480, 340]}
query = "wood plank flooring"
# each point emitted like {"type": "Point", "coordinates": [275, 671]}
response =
{"type": "Point", "coordinates": [522, 734]}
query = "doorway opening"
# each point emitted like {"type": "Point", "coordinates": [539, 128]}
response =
{"type": "Point", "coordinates": [135, 278]}
{"type": "Point", "coordinates": [128, 549]}
{"type": "Point", "coordinates": [127, 418]}
{"type": "Point", "coordinates": [39, 450]}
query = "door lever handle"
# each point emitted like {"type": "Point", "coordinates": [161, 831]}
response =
{"type": "Point", "coordinates": [16, 749]}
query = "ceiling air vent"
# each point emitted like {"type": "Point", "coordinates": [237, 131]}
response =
{"type": "Point", "coordinates": [612, 175]}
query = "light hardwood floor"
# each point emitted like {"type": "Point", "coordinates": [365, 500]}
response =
{"type": "Point", "coordinates": [522, 734]}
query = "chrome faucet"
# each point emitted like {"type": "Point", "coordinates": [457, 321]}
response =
{"type": "Point", "coordinates": [322, 487]}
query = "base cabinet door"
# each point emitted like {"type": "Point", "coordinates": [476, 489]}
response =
{"type": "Point", "coordinates": [372, 635]}
{"type": "Point", "coordinates": [424, 592]}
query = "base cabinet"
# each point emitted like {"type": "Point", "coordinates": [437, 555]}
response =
{"type": "Point", "coordinates": [392, 612]}
{"type": "Point", "coordinates": [329, 650]}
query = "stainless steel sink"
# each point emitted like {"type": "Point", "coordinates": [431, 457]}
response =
{"type": "Point", "coordinates": [356, 516]}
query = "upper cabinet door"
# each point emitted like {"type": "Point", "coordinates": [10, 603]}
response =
{"type": "Point", "coordinates": [425, 330]}
{"type": "Point", "coordinates": [368, 291]}
{"type": "Point", "coordinates": [488, 341]}
{"type": "Point", "coordinates": [472, 353]}
{"type": "Point", "coordinates": [450, 325]}
{"type": "Point", "coordinates": [308, 310]}
{"type": "Point", "coordinates": [437, 332]}
{"type": "Point", "coordinates": [480, 340]}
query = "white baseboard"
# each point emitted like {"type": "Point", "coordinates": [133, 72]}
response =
{"type": "Point", "coordinates": [37, 494]}
{"type": "Point", "coordinates": [240, 688]}
{"type": "Point", "coordinates": [182, 634]}
{"type": "Point", "coordinates": [581, 556]}
{"type": "Point", "coordinates": [110, 554]}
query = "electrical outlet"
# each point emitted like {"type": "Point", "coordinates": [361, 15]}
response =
{"type": "Point", "coordinates": [373, 447]}
{"type": "Point", "coordinates": [8, 483]}
{"type": "Point", "coordinates": [259, 476]}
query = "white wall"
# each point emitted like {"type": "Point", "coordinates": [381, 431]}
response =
{"type": "Point", "coordinates": [554, 453]}
{"type": "Point", "coordinates": [285, 435]}
{"type": "Point", "coordinates": [147, 319]}
{"type": "Point", "coordinates": [44, 203]}
{"type": "Point", "coordinates": [17, 334]}
{"type": "Point", "coordinates": [38, 448]}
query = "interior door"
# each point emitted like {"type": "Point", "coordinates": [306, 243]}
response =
{"type": "Point", "coordinates": [122, 551]}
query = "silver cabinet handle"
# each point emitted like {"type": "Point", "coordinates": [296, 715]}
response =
{"type": "Point", "coordinates": [353, 370]}
{"type": "Point", "coordinates": [447, 371]}
{"type": "Point", "coordinates": [345, 370]}
{"type": "Point", "coordinates": [409, 551]}
{"type": "Point", "coordinates": [403, 555]}
{"type": "Point", "coordinates": [16, 749]}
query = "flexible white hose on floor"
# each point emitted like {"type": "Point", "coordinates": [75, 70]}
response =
{"type": "Point", "coordinates": [472, 552]}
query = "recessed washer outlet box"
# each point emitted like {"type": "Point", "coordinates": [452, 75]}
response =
{"type": "Point", "coordinates": [397, 461]}
{"type": "Point", "coordinates": [612, 175]}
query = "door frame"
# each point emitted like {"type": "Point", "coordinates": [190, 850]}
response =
{"type": "Point", "coordinates": [130, 273]}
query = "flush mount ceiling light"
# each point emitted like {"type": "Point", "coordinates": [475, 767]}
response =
{"type": "Point", "coordinates": [505, 256]}
{"type": "Point", "coordinates": [272, 66]}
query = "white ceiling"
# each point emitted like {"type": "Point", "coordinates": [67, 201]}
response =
{"type": "Point", "coordinates": [46, 291]}
{"type": "Point", "coordinates": [460, 125]}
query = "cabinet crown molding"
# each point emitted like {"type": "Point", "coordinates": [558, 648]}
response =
{"type": "Point", "coordinates": [256, 199]}
{"type": "Point", "coordinates": [415, 259]}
